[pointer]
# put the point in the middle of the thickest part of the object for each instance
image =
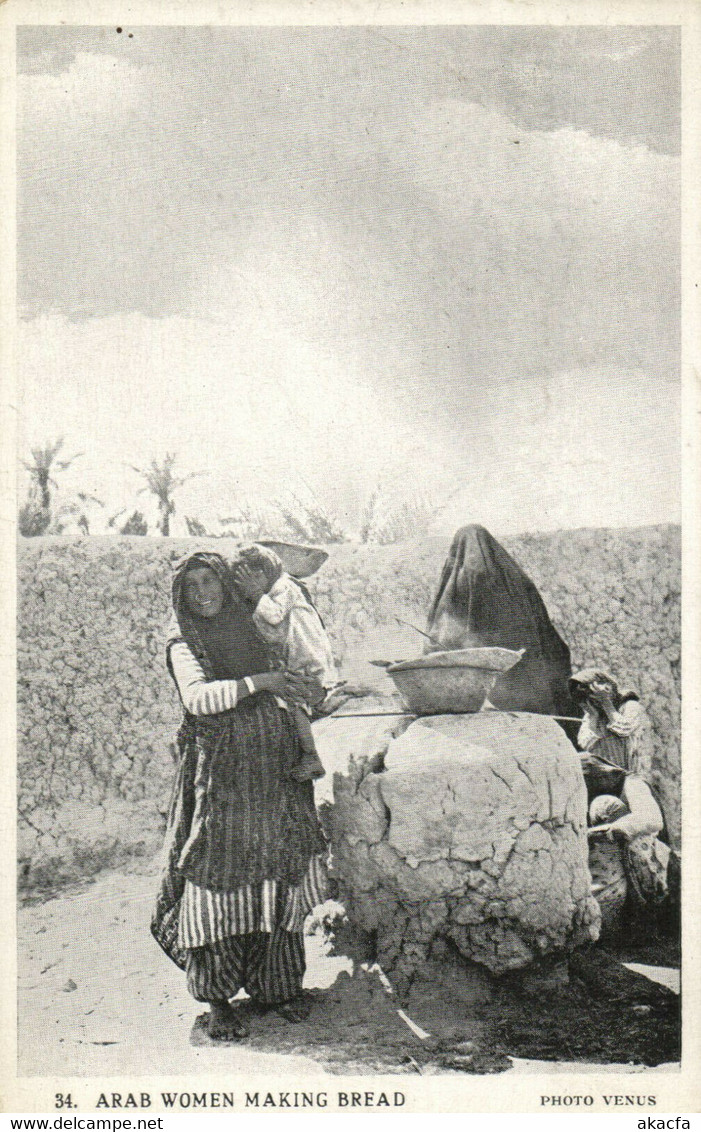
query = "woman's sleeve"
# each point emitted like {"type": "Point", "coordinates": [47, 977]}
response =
{"type": "Point", "coordinates": [627, 719]}
{"type": "Point", "coordinates": [587, 735]}
{"type": "Point", "coordinates": [645, 815]}
{"type": "Point", "coordinates": [274, 606]}
{"type": "Point", "coordinates": [641, 748]}
{"type": "Point", "coordinates": [200, 696]}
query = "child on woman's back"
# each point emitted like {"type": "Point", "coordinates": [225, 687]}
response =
{"type": "Point", "coordinates": [287, 620]}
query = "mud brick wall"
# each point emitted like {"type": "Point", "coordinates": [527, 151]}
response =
{"type": "Point", "coordinates": [97, 711]}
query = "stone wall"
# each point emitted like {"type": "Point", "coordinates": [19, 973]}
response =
{"type": "Point", "coordinates": [97, 711]}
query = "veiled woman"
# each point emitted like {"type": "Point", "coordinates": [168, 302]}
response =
{"type": "Point", "coordinates": [244, 845]}
{"type": "Point", "coordinates": [485, 599]}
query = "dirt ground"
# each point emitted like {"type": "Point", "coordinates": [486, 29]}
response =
{"type": "Point", "coordinates": [98, 998]}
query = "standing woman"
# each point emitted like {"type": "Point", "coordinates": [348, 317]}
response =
{"type": "Point", "coordinates": [245, 851]}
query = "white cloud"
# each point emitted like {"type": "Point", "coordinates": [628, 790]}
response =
{"type": "Point", "coordinates": [594, 447]}
{"type": "Point", "coordinates": [262, 416]}
{"type": "Point", "coordinates": [462, 152]}
{"type": "Point", "coordinates": [92, 86]}
{"type": "Point", "coordinates": [413, 287]}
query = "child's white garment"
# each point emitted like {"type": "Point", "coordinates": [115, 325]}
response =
{"type": "Point", "coordinates": [285, 618]}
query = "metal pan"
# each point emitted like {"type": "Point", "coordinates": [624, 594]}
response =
{"type": "Point", "coordinates": [456, 681]}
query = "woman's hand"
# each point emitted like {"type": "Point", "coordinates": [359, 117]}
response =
{"type": "Point", "coordinates": [625, 828]}
{"type": "Point", "coordinates": [290, 686]}
{"type": "Point", "coordinates": [602, 698]}
{"type": "Point", "coordinates": [645, 816]}
{"type": "Point", "coordinates": [275, 682]}
{"type": "Point", "coordinates": [611, 830]}
{"type": "Point", "coordinates": [303, 689]}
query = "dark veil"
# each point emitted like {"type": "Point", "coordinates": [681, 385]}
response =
{"type": "Point", "coordinates": [227, 646]}
{"type": "Point", "coordinates": [484, 599]}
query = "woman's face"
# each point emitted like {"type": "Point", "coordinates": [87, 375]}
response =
{"type": "Point", "coordinates": [204, 592]}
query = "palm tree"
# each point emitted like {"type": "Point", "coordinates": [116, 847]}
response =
{"type": "Point", "coordinates": [78, 511]}
{"type": "Point", "coordinates": [33, 520]}
{"type": "Point", "coordinates": [162, 483]}
{"type": "Point", "coordinates": [135, 525]}
{"type": "Point", "coordinates": [35, 515]}
{"type": "Point", "coordinates": [40, 470]}
{"type": "Point", "coordinates": [197, 529]}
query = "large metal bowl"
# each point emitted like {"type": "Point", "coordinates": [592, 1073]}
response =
{"type": "Point", "coordinates": [450, 682]}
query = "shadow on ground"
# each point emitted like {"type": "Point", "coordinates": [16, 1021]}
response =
{"type": "Point", "coordinates": [96, 996]}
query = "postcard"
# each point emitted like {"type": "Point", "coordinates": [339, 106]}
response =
{"type": "Point", "coordinates": [351, 483]}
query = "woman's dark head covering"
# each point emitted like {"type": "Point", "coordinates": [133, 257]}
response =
{"type": "Point", "coordinates": [227, 646]}
{"type": "Point", "coordinates": [485, 599]}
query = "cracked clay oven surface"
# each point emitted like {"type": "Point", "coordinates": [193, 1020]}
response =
{"type": "Point", "coordinates": [474, 832]}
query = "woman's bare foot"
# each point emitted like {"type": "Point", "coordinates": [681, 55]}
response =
{"type": "Point", "coordinates": [295, 1010]}
{"type": "Point", "coordinates": [225, 1023]}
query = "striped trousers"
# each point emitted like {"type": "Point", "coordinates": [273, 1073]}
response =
{"type": "Point", "coordinates": [268, 965]}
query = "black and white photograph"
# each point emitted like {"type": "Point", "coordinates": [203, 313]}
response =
{"type": "Point", "coordinates": [348, 416]}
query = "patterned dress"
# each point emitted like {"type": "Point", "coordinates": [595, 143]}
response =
{"type": "Point", "coordinates": [244, 848]}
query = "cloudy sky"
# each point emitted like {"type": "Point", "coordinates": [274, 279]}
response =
{"type": "Point", "coordinates": [315, 259]}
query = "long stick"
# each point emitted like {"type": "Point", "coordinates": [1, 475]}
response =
{"type": "Point", "coordinates": [372, 714]}
{"type": "Point", "coordinates": [413, 714]}
{"type": "Point", "coordinates": [421, 633]}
